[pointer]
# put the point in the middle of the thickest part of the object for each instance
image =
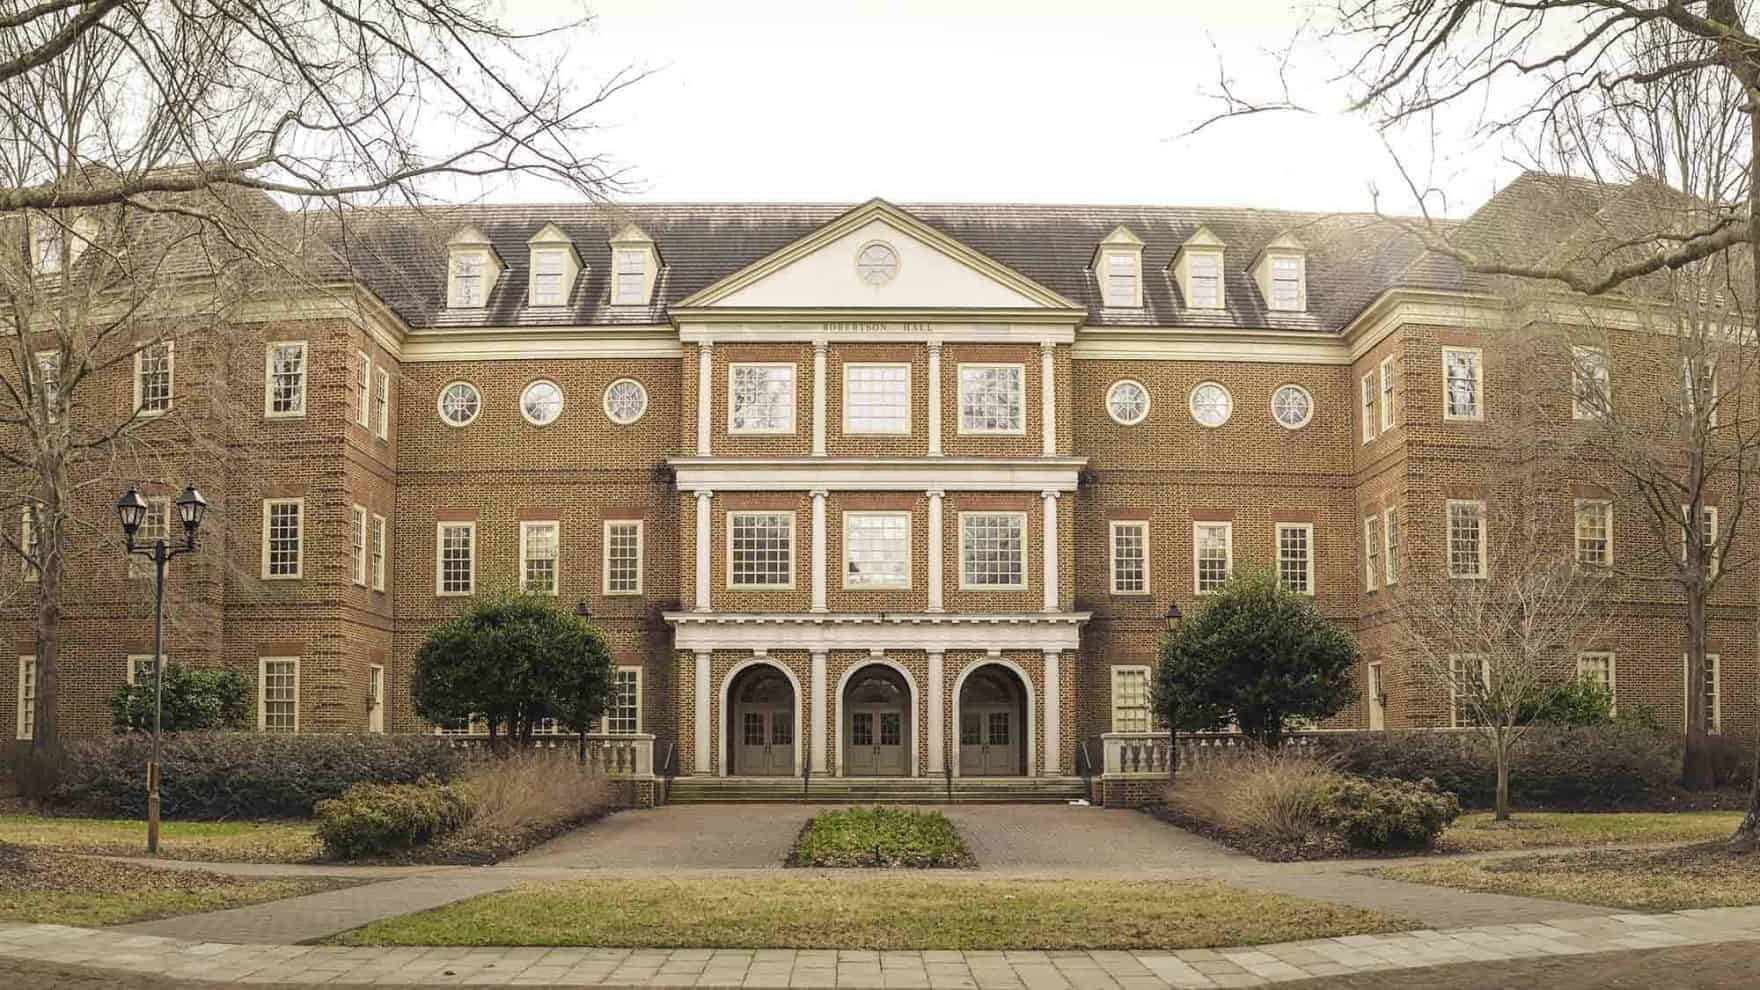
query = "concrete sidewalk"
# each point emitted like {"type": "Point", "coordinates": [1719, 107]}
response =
{"type": "Point", "coordinates": [125, 953]}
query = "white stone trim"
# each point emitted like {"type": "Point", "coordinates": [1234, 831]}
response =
{"type": "Point", "coordinates": [1053, 713]}
{"type": "Point", "coordinates": [910, 684]}
{"type": "Point", "coordinates": [703, 740]}
{"type": "Point", "coordinates": [536, 343]}
{"type": "Point", "coordinates": [937, 706]}
{"type": "Point", "coordinates": [759, 659]}
{"type": "Point", "coordinates": [990, 474]}
{"type": "Point", "coordinates": [817, 734]}
{"type": "Point", "coordinates": [705, 537]}
{"type": "Point", "coordinates": [935, 398]}
{"type": "Point", "coordinates": [1032, 705]}
{"type": "Point", "coordinates": [937, 550]}
{"type": "Point", "coordinates": [1048, 388]}
{"type": "Point", "coordinates": [705, 388]}
{"type": "Point", "coordinates": [884, 631]}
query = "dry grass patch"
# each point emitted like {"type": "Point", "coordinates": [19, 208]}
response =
{"type": "Point", "coordinates": [1537, 830]}
{"type": "Point", "coordinates": [55, 888]}
{"type": "Point", "coordinates": [521, 801]}
{"type": "Point", "coordinates": [875, 913]}
{"type": "Point", "coordinates": [1708, 875]}
{"type": "Point", "coordinates": [212, 842]}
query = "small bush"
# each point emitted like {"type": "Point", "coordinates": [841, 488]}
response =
{"type": "Point", "coordinates": [1270, 796]}
{"type": "Point", "coordinates": [374, 819]}
{"type": "Point", "coordinates": [880, 837]}
{"type": "Point", "coordinates": [1575, 702]}
{"type": "Point", "coordinates": [1732, 760]}
{"type": "Point", "coordinates": [1382, 813]}
{"type": "Point", "coordinates": [195, 701]}
{"type": "Point", "coordinates": [216, 775]}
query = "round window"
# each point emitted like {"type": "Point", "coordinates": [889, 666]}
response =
{"type": "Point", "coordinates": [1292, 406]}
{"type": "Point", "coordinates": [877, 263]}
{"type": "Point", "coordinates": [541, 403]}
{"type": "Point", "coordinates": [459, 404]}
{"type": "Point", "coordinates": [1211, 404]}
{"type": "Point", "coordinates": [1127, 402]}
{"type": "Point", "coordinates": [625, 401]}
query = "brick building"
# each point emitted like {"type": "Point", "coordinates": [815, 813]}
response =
{"type": "Point", "coordinates": [883, 490]}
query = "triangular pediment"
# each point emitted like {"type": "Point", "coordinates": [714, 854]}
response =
{"type": "Point", "coordinates": [877, 256]}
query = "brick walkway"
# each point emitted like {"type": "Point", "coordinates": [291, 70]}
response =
{"type": "Point", "coordinates": [126, 955]}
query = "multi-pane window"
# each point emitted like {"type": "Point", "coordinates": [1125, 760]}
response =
{"type": "Point", "coordinates": [761, 398]}
{"type": "Point", "coordinates": [1390, 543]}
{"type": "Point", "coordinates": [48, 238]}
{"type": "Point", "coordinates": [1463, 383]}
{"type": "Point", "coordinates": [27, 697]}
{"type": "Point", "coordinates": [1368, 394]}
{"type": "Point", "coordinates": [49, 380]}
{"type": "Point", "coordinates": [547, 278]}
{"type": "Point", "coordinates": [278, 695]}
{"type": "Point", "coordinates": [1713, 687]}
{"type": "Point", "coordinates": [1466, 539]}
{"type": "Point", "coordinates": [155, 526]}
{"type": "Point", "coordinates": [1130, 699]}
{"type": "Point", "coordinates": [357, 531]}
{"type": "Point", "coordinates": [1295, 557]}
{"type": "Point", "coordinates": [1469, 681]}
{"type": "Point", "coordinates": [1594, 532]}
{"type": "Point", "coordinates": [1372, 551]}
{"type": "Point", "coordinates": [459, 403]}
{"type": "Point", "coordinates": [877, 550]}
{"type": "Point", "coordinates": [152, 378]}
{"type": "Point", "coordinates": [140, 669]}
{"type": "Point", "coordinates": [632, 279]}
{"type": "Point", "coordinates": [455, 558]}
{"type": "Point", "coordinates": [1204, 274]}
{"type": "Point", "coordinates": [1389, 414]}
{"type": "Point", "coordinates": [1212, 554]}
{"type": "Point", "coordinates": [876, 398]}
{"type": "Point", "coordinates": [992, 398]}
{"type": "Point", "coordinates": [623, 557]}
{"type": "Point", "coordinates": [467, 281]}
{"type": "Point", "coordinates": [1286, 283]}
{"type": "Point", "coordinates": [286, 379]}
{"type": "Point", "coordinates": [30, 539]}
{"type": "Point", "coordinates": [363, 388]}
{"type": "Point", "coordinates": [382, 399]}
{"type": "Point", "coordinates": [993, 550]}
{"type": "Point", "coordinates": [625, 401]}
{"type": "Point", "coordinates": [760, 549]}
{"type": "Point", "coordinates": [1707, 534]}
{"type": "Point", "coordinates": [623, 709]}
{"type": "Point", "coordinates": [539, 542]}
{"type": "Point", "coordinates": [1130, 557]}
{"type": "Point", "coordinates": [1596, 669]}
{"type": "Point", "coordinates": [1591, 391]}
{"type": "Point", "coordinates": [378, 553]}
{"type": "Point", "coordinates": [283, 537]}
{"type": "Point", "coordinates": [1121, 279]}
{"type": "Point", "coordinates": [1701, 387]}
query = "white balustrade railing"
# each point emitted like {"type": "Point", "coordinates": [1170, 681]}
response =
{"type": "Point", "coordinates": [1150, 754]}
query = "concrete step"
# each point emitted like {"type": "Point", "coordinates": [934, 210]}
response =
{"type": "Point", "coordinates": [876, 790]}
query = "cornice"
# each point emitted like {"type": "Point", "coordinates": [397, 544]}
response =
{"type": "Point", "coordinates": [541, 343]}
{"type": "Point", "coordinates": [939, 632]}
{"type": "Point", "coordinates": [1208, 344]}
{"type": "Point", "coordinates": [682, 315]}
{"type": "Point", "coordinates": [916, 474]}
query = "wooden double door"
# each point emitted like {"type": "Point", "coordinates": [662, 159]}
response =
{"type": "Point", "coordinates": [992, 724]}
{"type": "Point", "coordinates": [762, 727]}
{"type": "Point", "coordinates": [876, 724]}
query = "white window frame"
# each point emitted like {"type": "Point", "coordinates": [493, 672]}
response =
{"type": "Point", "coordinates": [1605, 507]}
{"type": "Point", "coordinates": [48, 372]}
{"type": "Point", "coordinates": [902, 430]}
{"type": "Point", "coordinates": [1612, 670]}
{"type": "Point", "coordinates": [1213, 300]}
{"type": "Point", "coordinates": [605, 556]}
{"type": "Point", "coordinates": [621, 277]}
{"type": "Point", "coordinates": [262, 696]}
{"type": "Point", "coordinates": [960, 398]}
{"type": "Point", "coordinates": [1478, 413]}
{"type": "Point", "coordinates": [1109, 261]}
{"type": "Point", "coordinates": [30, 571]}
{"type": "Point", "coordinates": [26, 724]}
{"type": "Point", "coordinates": [1371, 552]}
{"type": "Point", "coordinates": [794, 385]}
{"type": "Point", "coordinates": [1714, 717]}
{"type": "Point", "coordinates": [541, 256]}
{"type": "Point", "coordinates": [909, 576]}
{"type": "Point", "coordinates": [1455, 660]}
{"type": "Point", "coordinates": [793, 549]}
{"type": "Point", "coordinates": [1710, 515]}
{"type": "Point", "coordinates": [1300, 303]}
{"type": "Point", "coordinates": [525, 527]}
{"type": "Point", "coordinates": [1580, 359]}
{"type": "Point", "coordinates": [131, 671]}
{"type": "Point", "coordinates": [363, 388]}
{"type": "Point", "coordinates": [381, 549]}
{"type": "Point", "coordinates": [454, 299]}
{"type": "Point", "coordinates": [382, 398]}
{"type": "Point", "coordinates": [1448, 537]}
{"type": "Point", "coordinates": [159, 507]}
{"type": "Point", "coordinates": [1112, 528]}
{"type": "Point", "coordinates": [376, 696]}
{"type": "Point", "coordinates": [1228, 547]}
{"type": "Point", "coordinates": [305, 379]}
{"type": "Point", "coordinates": [1277, 531]}
{"type": "Point", "coordinates": [1389, 381]}
{"type": "Point", "coordinates": [1687, 365]}
{"type": "Point", "coordinates": [170, 378]}
{"type": "Point", "coordinates": [358, 536]}
{"type": "Point", "coordinates": [440, 561]}
{"type": "Point", "coordinates": [1368, 397]}
{"type": "Point", "coordinates": [641, 688]}
{"type": "Point", "coordinates": [299, 570]}
{"type": "Point", "coordinates": [1148, 702]}
{"type": "Point", "coordinates": [1026, 551]}
{"type": "Point", "coordinates": [1389, 546]}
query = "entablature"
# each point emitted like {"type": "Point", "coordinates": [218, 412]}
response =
{"type": "Point", "coordinates": [990, 474]}
{"type": "Point", "coordinates": [877, 631]}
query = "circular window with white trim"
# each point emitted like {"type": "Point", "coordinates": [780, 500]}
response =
{"type": "Point", "coordinates": [877, 263]}
{"type": "Point", "coordinates": [459, 403]}
{"type": "Point", "coordinates": [1127, 402]}
{"type": "Point", "coordinates": [541, 402]}
{"type": "Point", "coordinates": [1211, 404]}
{"type": "Point", "coordinates": [1292, 406]}
{"type": "Point", "coordinates": [625, 401]}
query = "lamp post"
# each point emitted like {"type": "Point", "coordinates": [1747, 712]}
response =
{"type": "Point", "coordinates": [1173, 616]}
{"type": "Point", "coordinates": [131, 511]}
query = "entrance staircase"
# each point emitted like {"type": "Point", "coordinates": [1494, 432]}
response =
{"type": "Point", "coordinates": [876, 790]}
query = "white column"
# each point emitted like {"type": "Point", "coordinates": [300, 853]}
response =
{"type": "Point", "coordinates": [1048, 396]}
{"type": "Point", "coordinates": [705, 723]}
{"type": "Point", "coordinates": [934, 398]}
{"type": "Point", "coordinates": [935, 550]}
{"type": "Point", "coordinates": [819, 349]}
{"type": "Point", "coordinates": [819, 550]}
{"type": "Point", "coordinates": [1050, 549]}
{"type": "Point", "coordinates": [937, 717]}
{"type": "Point", "coordinates": [1053, 714]}
{"type": "Point", "coordinates": [705, 569]}
{"type": "Point", "coordinates": [817, 735]}
{"type": "Point", "coordinates": [705, 396]}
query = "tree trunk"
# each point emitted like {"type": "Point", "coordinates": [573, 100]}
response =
{"type": "Point", "coordinates": [1748, 832]}
{"type": "Point", "coordinates": [45, 756]}
{"type": "Point", "coordinates": [1697, 772]}
{"type": "Point", "coordinates": [1501, 809]}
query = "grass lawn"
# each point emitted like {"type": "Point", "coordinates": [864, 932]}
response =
{"type": "Point", "coordinates": [1706, 875]}
{"type": "Point", "coordinates": [874, 913]}
{"type": "Point", "coordinates": [55, 888]}
{"type": "Point", "coordinates": [218, 842]}
{"type": "Point", "coordinates": [1534, 830]}
{"type": "Point", "coordinates": [880, 837]}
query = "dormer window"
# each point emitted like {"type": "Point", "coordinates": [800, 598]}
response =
{"type": "Point", "coordinates": [473, 267]}
{"type": "Point", "coordinates": [1121, 280]}
{"type": "Point", "coordinates": [47, 238]}
{"type": "Point", "coordinates": [1282, 275]}
{"type": "Point", "coordinates": [1118, 264]}
{"type": "Point", "coordinates": [546, 278]}
{"type": "Point", "coordinates": [1198, 270]}
{"type": "Point", "coordinates": [1286, 283]}
{"type": "Point", "coordinates": [635, 267]}
{"type": "Point", "coordinates": [467, 281]}
{"type": "Point", "coordinates": [555, 266]}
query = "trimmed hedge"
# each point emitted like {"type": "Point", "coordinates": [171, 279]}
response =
{"type": "Point", "coordinates": [248, 775]}
{"type": "Point", "coordinates": [1383, 813]}
{"type": "Point", "coordinates": [373, 819]}
{"type": "Point", "coordinates": [1591, 766]}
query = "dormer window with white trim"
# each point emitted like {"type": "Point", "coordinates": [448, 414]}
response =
{"type": "Point", "coordinates": [635, 267]}
{"type": "Point", "coordinates": [472, 269]}
{"type": "Point", "coordinates": [1282, 274]}
{"type": "Point", "coordinates": [1118, 264]}
{"type": "Point", "coordinates": [554, 267]}
{"type": "Point", "coordinates": [1197, 267]}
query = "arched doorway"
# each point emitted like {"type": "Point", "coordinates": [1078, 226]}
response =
{"type": "Point", "coordinates": [876, 724]}
{"type": "Point", "coordinates": [992, 724]}
{"type": "Point", "coordinates": [761, 732]}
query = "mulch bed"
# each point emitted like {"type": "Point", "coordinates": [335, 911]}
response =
{"type": "Point", "coordinates": [1258, 846]}
{"type": "Point", "coordinates": [484, 847]}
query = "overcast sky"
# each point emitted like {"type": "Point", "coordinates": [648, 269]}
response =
{"type": "Point", "coordinates": [983, 101]}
